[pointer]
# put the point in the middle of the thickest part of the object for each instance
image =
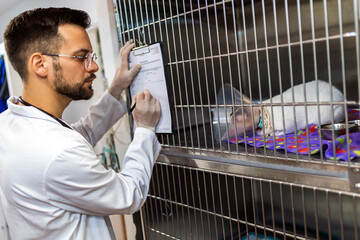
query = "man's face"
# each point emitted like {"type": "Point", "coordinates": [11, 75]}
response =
{"type": "Point", "coordinates": [71, 78]}
{"type": "Point", "coordinates": [81, 90]}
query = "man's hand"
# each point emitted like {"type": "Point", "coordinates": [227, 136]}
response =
{"type": "Point", "coordinates": [147, 111]}
{"type": "Point", "coordinates": [123, 76]}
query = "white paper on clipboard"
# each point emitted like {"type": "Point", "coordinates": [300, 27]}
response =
{"type": "Point", "coordinates": [152, 78]}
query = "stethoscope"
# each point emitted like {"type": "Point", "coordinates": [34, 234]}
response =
{"type": "Point", "coordinates": [57, 119]}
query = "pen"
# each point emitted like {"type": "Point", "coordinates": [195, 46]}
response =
{"type": "Point", "coordinates": [132, 108]}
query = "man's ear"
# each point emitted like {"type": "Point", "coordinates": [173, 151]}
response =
{"type": "Point", "coordinates": [38, 64]}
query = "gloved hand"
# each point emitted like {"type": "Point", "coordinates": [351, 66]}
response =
{"type": "Point", "coordinates": [147, 110]}
{"type": "Point", "coordinates": [123, 76]}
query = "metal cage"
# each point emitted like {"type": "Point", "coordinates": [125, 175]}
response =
{"type": "Point", "coordinates": [207, 188]}
{"type": "Point", "coordinates": [191, 203]}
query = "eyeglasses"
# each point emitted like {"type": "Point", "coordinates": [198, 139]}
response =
{"type": "Point", "coordinates": [89, 58]}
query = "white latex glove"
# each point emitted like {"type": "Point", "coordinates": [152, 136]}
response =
{"type": "Point", "coordinates": [123, 76]}
{"type": "Point", "coordinates": [147, 110]}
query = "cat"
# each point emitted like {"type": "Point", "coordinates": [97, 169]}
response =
{"type": "Point", "coordinates": [271, 120]}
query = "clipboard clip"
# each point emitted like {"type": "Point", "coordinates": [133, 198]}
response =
{"type": "Point", "coordinates": [145, 51]}
{"type": "Point", "coordinates": [141, 45]}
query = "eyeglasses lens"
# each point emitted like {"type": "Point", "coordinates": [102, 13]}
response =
{"type": "Point", "coordinates": [89, 59]}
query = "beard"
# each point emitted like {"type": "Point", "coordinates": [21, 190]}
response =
{"type": "Point", "coordinates": [75, 92]}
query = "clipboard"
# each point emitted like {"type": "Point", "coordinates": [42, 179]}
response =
{"type": "Point", "coordinates": [152, 77]}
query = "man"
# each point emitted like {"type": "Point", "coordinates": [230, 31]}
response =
{"type": "Point", "coordinates": [52, 186]}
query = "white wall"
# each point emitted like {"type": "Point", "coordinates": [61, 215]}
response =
{"type": "Point", "coordinates": [2, 48]}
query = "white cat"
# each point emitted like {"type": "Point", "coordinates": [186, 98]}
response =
{"type": "Point", "coordinates": [245, 121]}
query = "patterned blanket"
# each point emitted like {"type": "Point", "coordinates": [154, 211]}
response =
{"type": "Point", "coordinates": [303, 144]}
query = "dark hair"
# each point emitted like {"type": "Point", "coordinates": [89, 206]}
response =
{"type": "Point", "coordinates": [37, 31]}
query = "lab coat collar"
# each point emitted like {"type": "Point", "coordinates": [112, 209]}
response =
{"type": "Point", "coordinates": [26, 111]}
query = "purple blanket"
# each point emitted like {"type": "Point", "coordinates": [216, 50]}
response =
{"type": "Point", "coordinates": [314, 145]}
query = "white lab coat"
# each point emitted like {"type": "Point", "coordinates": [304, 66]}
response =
{"type": "Point", "coordinates": [52, 185]}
